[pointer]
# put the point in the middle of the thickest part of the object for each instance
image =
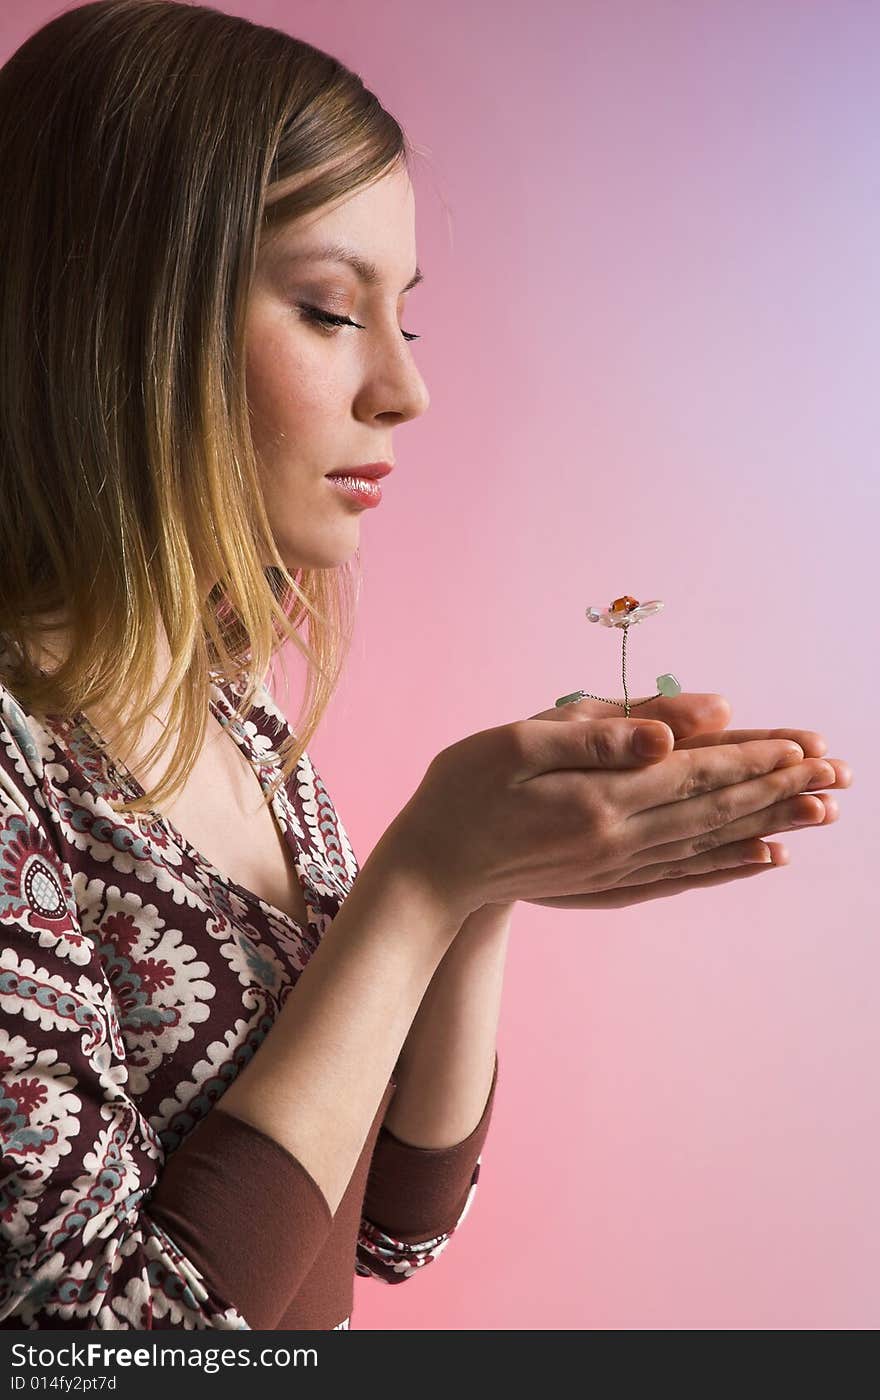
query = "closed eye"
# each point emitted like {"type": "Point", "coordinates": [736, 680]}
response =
{"type": "Point", "coordinates": [330, 322]}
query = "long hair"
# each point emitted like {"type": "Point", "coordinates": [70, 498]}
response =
{"type": "Point", "coordinates": [147, 150]}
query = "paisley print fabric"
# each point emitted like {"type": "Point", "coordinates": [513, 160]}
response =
{"type": "Point", "coordinates": [136, 981]}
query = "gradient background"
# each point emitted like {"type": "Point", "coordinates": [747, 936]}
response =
{"type": "Point", "coordinates": [650, 322]}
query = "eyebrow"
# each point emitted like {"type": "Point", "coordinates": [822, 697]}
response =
{"type": "Point", "coordinates": [367, 271]}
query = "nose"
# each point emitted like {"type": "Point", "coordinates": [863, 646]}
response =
{"type": "Point", "coordinates": [396, 396]}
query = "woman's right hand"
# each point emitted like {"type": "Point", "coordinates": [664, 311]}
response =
{"type": "Point", "coordinates": [537, 809]}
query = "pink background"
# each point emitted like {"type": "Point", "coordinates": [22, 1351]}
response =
{"type": "Point", "coordinates": [650, 334]}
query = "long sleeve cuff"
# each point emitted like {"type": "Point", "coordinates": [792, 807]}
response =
{"type": "Point", "coordinates": [227, 1191]}
{"type": "Point", "coordinates": [414, 1193]}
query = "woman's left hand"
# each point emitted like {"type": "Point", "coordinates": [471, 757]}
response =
{"type": "Point", "coordinates": [696, 720]}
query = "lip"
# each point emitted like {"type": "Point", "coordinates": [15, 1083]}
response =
{"type": "Point", "coordinates": [357, 496]}
{"type": "Point", "coordinates": [372, 471]}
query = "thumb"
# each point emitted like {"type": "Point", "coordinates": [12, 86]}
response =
{"type": "Point", "coordinates": [626, 743]}
{"type": "Point", "coordinates": [596, 743]}
{"type": "Point", "coordinates": [651, 739]}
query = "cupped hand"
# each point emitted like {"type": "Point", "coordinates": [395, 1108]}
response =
{"type": "Point", "coordinates": [731, 852]}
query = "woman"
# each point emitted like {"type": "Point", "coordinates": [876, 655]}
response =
{"type": "Point", "coordinates": [233, 1060]}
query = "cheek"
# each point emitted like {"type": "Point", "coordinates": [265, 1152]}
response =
{"type": "Point", "coordinates": [288, 385]}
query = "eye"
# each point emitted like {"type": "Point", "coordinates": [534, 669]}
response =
{"type": "Point", "coordinates": [329, 322]}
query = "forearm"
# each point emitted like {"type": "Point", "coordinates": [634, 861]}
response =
{"type": "Point", "coordinates": [445, 1068]}
{"type": "Point", "coordinates": [318, 1078]}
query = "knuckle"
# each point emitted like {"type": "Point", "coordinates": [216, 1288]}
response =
{"type": "Point", "coordinates": [676, 872]}
{"type": "Point", "coordinates": [785, 752]}
{"type": "Point", "coordinates": [717, 815]}
{"type": "Point", "coordinates": [601, 745]}
{"type": "Point", "coordinates": [785, 759]}
{"type": "Point", "coordinates": [516, 738]}
{"type": "Point", "coordinates": [696, 781]}
{"type": "Point", "coordinates": [707, 841]}
{"type": "Point", "coordinates": [794, 779]}
{"type": "Point", "coordinates": [516, 732]}
{"type": "Point", "coordinates": [596, 812]}
{"type": "Point", "coordinates": [601, 822]}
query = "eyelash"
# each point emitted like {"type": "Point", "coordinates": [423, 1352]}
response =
{"type": "Point", "coordinates": [330, 322]}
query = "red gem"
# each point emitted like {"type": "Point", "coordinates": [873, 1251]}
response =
{"type": "Point", "coordinates": [625, 604]}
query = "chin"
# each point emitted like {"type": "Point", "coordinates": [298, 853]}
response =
{"type": "Point", "coordinates": [313, 556]}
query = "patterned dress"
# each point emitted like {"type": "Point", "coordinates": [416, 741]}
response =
{"type": "Point", "coordinates": [136, 982]}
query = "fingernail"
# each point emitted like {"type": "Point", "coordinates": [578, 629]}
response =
{"type": "Point", "coordinates": [825, 776]}
{"type": "Point", "coordinates": [649, 741]}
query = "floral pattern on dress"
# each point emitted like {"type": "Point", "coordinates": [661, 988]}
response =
{"type": "Point", "coordinates": [135, 984]}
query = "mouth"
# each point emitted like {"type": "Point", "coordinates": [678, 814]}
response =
{"type": "Point", "coordinates": [371, 471]}
{"type": "Point", "coordinates": [358, 489]}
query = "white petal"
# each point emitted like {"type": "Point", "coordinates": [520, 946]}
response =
{"type": "Point", "coordinates": [647, 609]}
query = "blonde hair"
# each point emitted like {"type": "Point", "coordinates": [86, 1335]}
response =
{"type": "Point", "coordinates": [147, 148]}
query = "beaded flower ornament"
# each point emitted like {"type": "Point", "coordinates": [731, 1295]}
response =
{"type": "Point", "coordinates": [625, 612]}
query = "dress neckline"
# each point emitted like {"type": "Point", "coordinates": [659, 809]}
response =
{"type": "Point", "coordinates": [224, 713]}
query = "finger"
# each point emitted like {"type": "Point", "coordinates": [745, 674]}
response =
{"type": "Point", "coordinates": [843, 771]}
{"type": "Point", "coordinates": [589, 710]}
{"type": "Point", "coordinates": [732, 856]}
{"type": "Point", "coordinates": [621, 897]}
{"type": "Point", "coordinates": [812, 743]}
{"type": "Point", "coordinates": [542, 750]}
{"type": "Point", "coordinates": [686, 714]}
{"type": "Point", "coordinates": [687, 773]}
{"type": "Point", "coordinates": [690, 713]}
{"type": "Point", "coordinates": [842, 774]}
{"type": "Point", "coordinates": [804, 810]}
{"type": "Point", "coordinates": [625, 743]}
{"type": "Point", "coordinates": [693, 816]}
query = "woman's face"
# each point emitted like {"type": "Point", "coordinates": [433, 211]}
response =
{"type": "Point", "coordinates": [325, 399]}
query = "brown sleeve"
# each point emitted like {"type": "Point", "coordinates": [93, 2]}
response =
{"type": "Point", "coordinates": [415, 1193]}
{"type": "Point", "coordinates": [225, 1192]}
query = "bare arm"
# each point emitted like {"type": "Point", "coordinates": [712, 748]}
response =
{"type": "Point", "coordinates": [445, 1068]}
{"type": "Point", "coordinates": [320, 1074]}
